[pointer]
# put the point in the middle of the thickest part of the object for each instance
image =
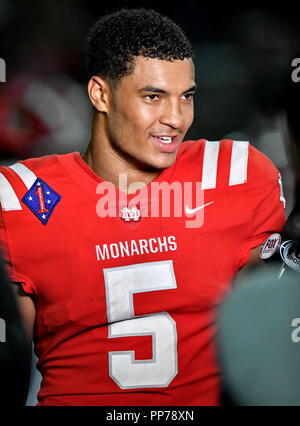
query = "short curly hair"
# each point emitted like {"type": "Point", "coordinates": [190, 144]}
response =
{"type": "Point", "coordinates": [116, 39]}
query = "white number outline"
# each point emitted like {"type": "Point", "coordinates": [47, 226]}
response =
{"type": "Point", "coordinates": [124, 321]}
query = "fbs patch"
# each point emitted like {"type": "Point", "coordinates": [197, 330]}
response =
{"type": "Point", "coordinates": [41, 199]}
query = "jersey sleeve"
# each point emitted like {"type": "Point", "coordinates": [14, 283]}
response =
{"type": "Point", "coordinates": [265, 200]}
{"type": "Point", "coordinates": [7, 245]}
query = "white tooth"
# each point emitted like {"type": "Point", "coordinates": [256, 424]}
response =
{"type": "Point", "coordinates": [166, 139]}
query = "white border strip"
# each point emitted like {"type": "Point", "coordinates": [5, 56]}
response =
{"type": "Point", "coordinates": [239, 163]}
{"type": "Point", "coordinates": [27, 176]}
{"type": "Point", "coordinates": [210, 164]}
{"type": "Point", "coordinates": [8, 197]}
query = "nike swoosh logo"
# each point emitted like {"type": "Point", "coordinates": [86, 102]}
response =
{"type": "Point", "coordinates": [192, 211]}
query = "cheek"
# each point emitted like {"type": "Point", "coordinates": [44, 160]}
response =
{"type": "Point", "coordinates": [127, 123]}
{"type": "Point", "coordinates": [189, 116]}
{"type": "Point", "coordinates": [143, 116]}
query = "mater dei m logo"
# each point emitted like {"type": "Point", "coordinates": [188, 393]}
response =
{"type": "Point", "coordinates": [2, 71]}
{"type": "Point", "coordinates": [130, 214]}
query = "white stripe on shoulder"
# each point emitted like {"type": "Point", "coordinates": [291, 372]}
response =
{"type": "Point", "coordinates": [8, 198]}
{"type": "Point", "coordinates": [239, 163]}
{"type": "Point", "coordinates": [210, 164]}
{"type": "Point", "coordinates": [27, 176]}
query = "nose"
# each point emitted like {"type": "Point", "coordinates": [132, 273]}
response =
{"type": "Point", "coordinates": [172, 115]}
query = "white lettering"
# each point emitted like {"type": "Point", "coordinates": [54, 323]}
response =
{"type": "Point", "coordinates": [116, 248]}
{"type": "Point", "coordinates": [106, 205]}
{"type": "Point", "coordinates": [128, 417]}
{"type": "Point", "coordinates": [124, 248]}
{"type": "Point", "coordinates": [105, 254]}
{"type": "Point", "coordinates": [151, 247]}
{"type": "Point", "coordinates": [295, 333]}
{"type": "Point", "coordinates": [295, 76]}
{"type": "Point", "coordinates": [135, 247]}
{"type": "Point", "coordinates": [123, 189]}
{"type": "Point", "coordinates": [2, 71]}
{"type": "Point", "coordinates": [198, 220]}
{"type": "Point", "coordinates": [166, 189]}
{"type": "Point", "coordinates": [144, 245]}
{"type": "Point", "coordinates": [163, 244]}
{"type": "Point", "coordinates": [172, 243]}
{"type": "Point", "coordinates": [2, 331]}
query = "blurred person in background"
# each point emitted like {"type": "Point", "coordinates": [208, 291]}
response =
{"type": "Point", "coordinates": [15, 348]}
{"type": "Point", "coordinates": [33, 110]}
{"type": "Point", "coordinates": [37, 100]}
{"type": "Point", "coordinates": [43, 88]}
{"type": "Point", "coordinates": [119, 302]}
{"type": "Point", "coordinates": [258, 340]}
{"type": "Point", "coordinates": [258, 323]}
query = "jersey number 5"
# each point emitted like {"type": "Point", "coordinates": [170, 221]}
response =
{"type": "Point", "coordinates": [121, 283]}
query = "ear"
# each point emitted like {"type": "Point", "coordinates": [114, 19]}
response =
{"type": "Point", "coordinates": [98, 90]}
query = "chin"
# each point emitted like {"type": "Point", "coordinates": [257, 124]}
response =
{"type": "Point", "coordinates": [165, 162]}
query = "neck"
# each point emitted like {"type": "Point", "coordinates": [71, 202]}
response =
{"type": "Point", "coordinates": [109, 164]}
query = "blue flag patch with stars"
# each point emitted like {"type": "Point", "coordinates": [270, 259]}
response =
{"type": "Point", "coordinates": [41, 199]}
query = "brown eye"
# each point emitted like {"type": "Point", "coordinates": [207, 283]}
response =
{"type": "Point", "coordinates": [152, 97]}
{"type": "Point", "coordinates": [188, 96]}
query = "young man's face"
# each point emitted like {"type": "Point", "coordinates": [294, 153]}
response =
{"type": "Point", "coordinates": [151, 111]}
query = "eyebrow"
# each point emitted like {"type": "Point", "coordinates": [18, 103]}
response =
{"type": "Point", "coordinates": [158, 90]}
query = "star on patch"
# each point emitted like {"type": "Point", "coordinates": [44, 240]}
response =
{"type": "Point", "coordinates": [35, 200]}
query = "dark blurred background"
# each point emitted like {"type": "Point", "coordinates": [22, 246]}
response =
{"type": "Point", "coordinates": [243, 71]}
{"type": "Point", "coordinates": [244, 55]}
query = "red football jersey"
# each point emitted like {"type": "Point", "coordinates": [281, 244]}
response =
{"type": "Point", "coordinates": [126, 286]}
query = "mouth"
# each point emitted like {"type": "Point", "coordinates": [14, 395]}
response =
{"type": "Point", "coordinates": [166, 143]}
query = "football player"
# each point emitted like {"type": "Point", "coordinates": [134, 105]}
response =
{"type": "Point", "coordinates": [121, 255]}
